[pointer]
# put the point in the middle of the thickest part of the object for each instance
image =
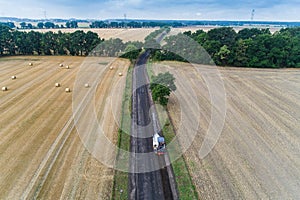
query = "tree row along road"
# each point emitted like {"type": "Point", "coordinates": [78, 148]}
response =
{"type": "Point", "coordinates": [148, 177]}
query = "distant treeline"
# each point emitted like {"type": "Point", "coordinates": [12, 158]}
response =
{"type": "Point", "coordinates": [79, 43]}
{"type": "Point", "coordinates": [247, 48]}
{"type": "Point", "coordinates": [41, 25]}
{"type": "Point", "coordinates": [222, 46]}
{"type": "Point", "coordinates": [134, 24]}
{"type": "Point", "coordinates": [95, 24]}
{"type": "Point", "coordinates": [165, 22]}
{"type": "Point", "coordinates": [13, 42]}
{"type": "Point", "coordinates": [242, 23]}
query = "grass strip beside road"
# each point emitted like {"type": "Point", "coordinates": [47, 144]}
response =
{"type": "Point", "coordinates": [185, 186]}
{"type": "Point", "coordinates": [120, 187]}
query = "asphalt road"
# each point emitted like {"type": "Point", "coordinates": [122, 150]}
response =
{"type": "Point", "coordinates": [148, 177]}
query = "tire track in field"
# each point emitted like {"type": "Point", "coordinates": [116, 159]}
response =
{"type": "Point", "coordinates": [256, 155]}
{"type": "Point", "coordinates": [79, 181]}
{"type": "Point", "coordinates": [85, 192]}
{"type": "Point", "coordinates": [39, 91]}
{"type": "Point", "coordinates": [35, 129]}
{"type": "Point", "coordinates": [272, 138]}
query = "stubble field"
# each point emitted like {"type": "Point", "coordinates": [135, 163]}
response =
{"type": "Point", "coordinates": [257, 154]}
{"type": "Point", "coordinates": [42, 156]}
{"type": "Point", "coordinates": [139, 34]}
{"type": "Point", "coordinates": [132, 34]}
{"type": "Point", "coordinates": [41, 153]}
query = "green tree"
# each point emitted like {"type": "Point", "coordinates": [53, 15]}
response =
{"type": "Point", "coordinates": [160, 94]}
{"type": "Point", "coordinates": [29, 26]}
{"type": "Point", "coordinates": [222, 55]}
{"type": "Point", "coordinates": [92, 40]}
{"type": "Point", "coordinates": [9, 24]}
{"type": "Point", "coordinates": [63, 43]}
{"type": "Point", "coordinates": [40, 25]}
{"type": "Point", "coordinates": [212, 47]}
{"type": "Point", "coordinates": [24, 44]}
{"type": "Point", "coordinates": [225, 35]}
{"type": "Point", "coordinates": [258, 51]}
{"type": "Point", "coordinates": [6, 38]}
{"type": "Point", "coordinates": [161, 86]}
{"type": "Point", "coordinates": [36, 41]}
{"type": "Point", "coordinates": [68, 24]}
{"type": "Point", "coordinates": [151, 43]}
{"type": "Point", "coordinates": [111, 47]}
{"type": "Point", "coordinates": [248, 33]}
{"type": "Point", "coordinates": [77, 43]}
{"type": "Point", "coordinates": [72, 24]}
{"type": "Point", "coordinates": [49, 25]}
{"type": "Point", "coordinates": [293, 59]}
{"type": "Point", "coordinates": [131, 52]}
{"type": "Point", "coordinates": [23, 25]}
{"type": "Point", "coordinates": [49, 43]}
{"type": "Point", "coordinates": [240, 57]}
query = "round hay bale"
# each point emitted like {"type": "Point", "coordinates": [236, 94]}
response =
{"type": "Point", "coordinates": [120, 74]}
{"type": "Point", "coordinates": [13, 77]}
{"type": "Point", "coordinates": [67, 90]}
{"type": "Point", "coordinates": [86, 85]}
{"type": "Point", "coordinates": [57, 84]}
{"type": "Point", "coordinates": [67, 67]}
{"type": "Point", "coordinates": [4, 88]}
{"type": "Point", "coordinates": [61, 65]}
{"type": "Point", "coordinates": [30, 64]}
{"type": "Point", "coordinates": [111, 67]}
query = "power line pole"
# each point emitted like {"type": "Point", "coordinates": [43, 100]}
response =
{"type": "Point", "coordinates": [125, 20]}
{"type": "Point", "coordinates": [45, 14]}
{"type": "Point", "coordinates": [252, 14]}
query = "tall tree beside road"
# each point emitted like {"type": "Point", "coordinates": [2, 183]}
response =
{"type": "Point", "coordinates": [161, 86]}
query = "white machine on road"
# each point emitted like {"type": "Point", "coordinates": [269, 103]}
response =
{"type": "Point", "coordinates": [159, 145]}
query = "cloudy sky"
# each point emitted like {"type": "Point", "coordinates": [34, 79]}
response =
{"type": "Point", "coordinates": [277, 10]}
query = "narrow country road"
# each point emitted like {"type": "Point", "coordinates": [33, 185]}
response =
{"type": "Point", "coordinates": [148, 177]}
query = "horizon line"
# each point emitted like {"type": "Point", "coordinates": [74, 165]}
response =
{"type": "Point", "coordinates": [148, 19]}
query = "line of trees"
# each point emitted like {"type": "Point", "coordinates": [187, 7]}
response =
{"type": "Point", "coordinates": [9, 24]}
{"type": "Point", "coordinates": [247, 48]}
{"type": "Point", "coordinates": [95, 24]}
{"type": "Point", "coordinates": [46, 25]}
{"type": "Point", "coordinates": [133, 24]}
{"type": "Point", "coordinates": [14, 42]}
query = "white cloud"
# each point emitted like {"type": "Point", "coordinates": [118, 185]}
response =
{"type": "Point", "coordinates": [156, 9]}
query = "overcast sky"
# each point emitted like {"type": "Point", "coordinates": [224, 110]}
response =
{"type": "Point", "coordinates": [277, 10]}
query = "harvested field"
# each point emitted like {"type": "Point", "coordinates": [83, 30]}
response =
{"type": "Point", "coordinates": [41, 154]}
{"type": "Point", "coordinates": [137, 34]}
{"type": "Point", "coordinates": [132, 34]}
{"type": "Point", "coordinates": [257, 155]}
